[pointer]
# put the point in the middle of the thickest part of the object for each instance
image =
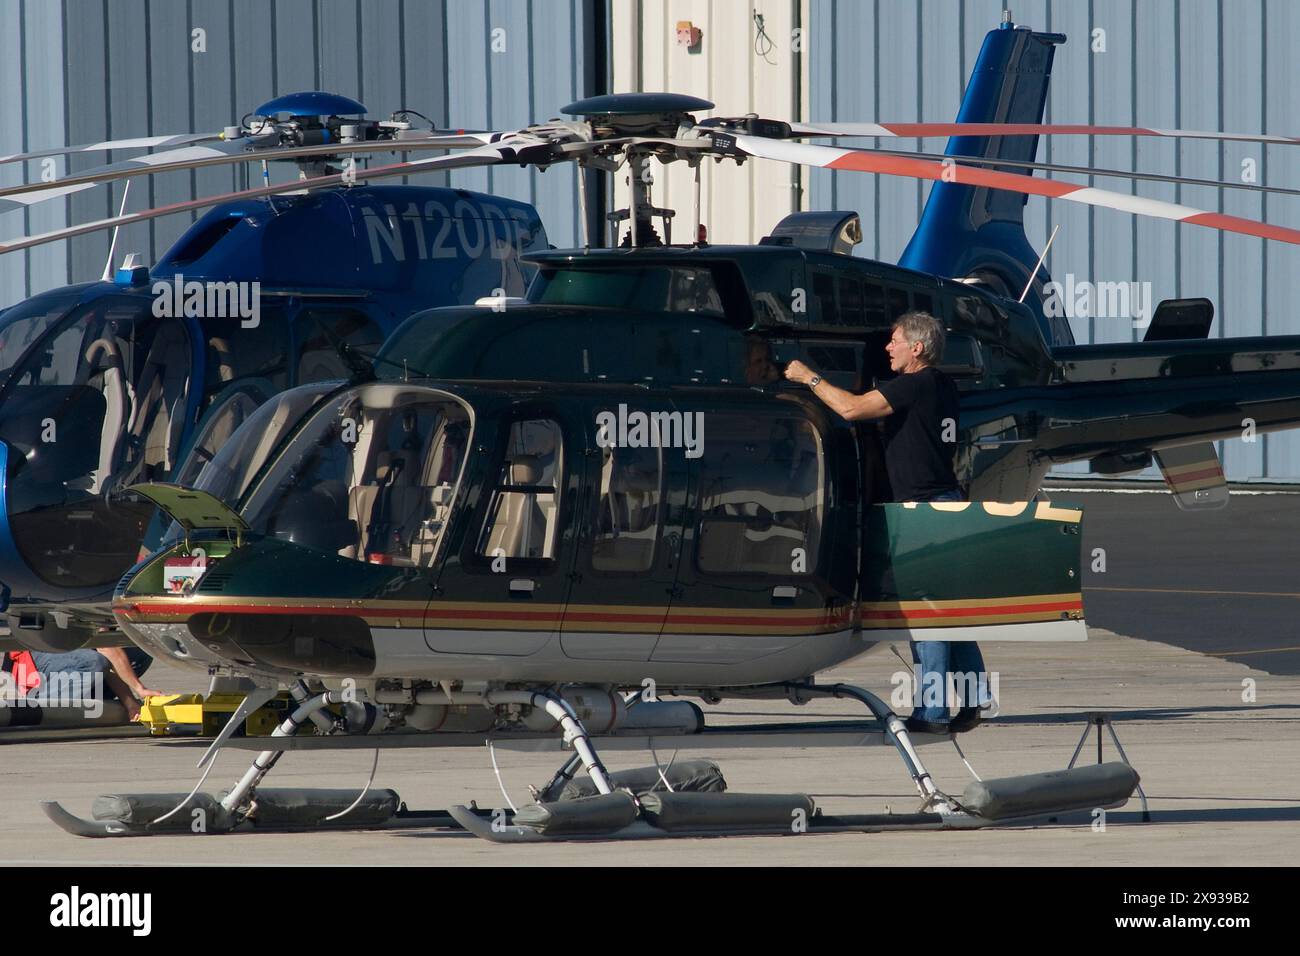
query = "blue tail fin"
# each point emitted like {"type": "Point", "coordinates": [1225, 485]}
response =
{"type": "Point", "coordinates": [975, 231]}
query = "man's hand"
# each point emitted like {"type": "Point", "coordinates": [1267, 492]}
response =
{"type": "Point", "coordinates": [796, 371]}
{"type": "Point", "coordinates": [122, 672]}
{"type": "Point", "coordinates": [848, 406]}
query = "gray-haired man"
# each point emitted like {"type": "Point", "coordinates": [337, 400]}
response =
{"type": "Point", "coordinates": [920, 408]}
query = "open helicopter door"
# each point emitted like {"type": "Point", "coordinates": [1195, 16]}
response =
{"type": "Point", "coordinates": [972, 571]}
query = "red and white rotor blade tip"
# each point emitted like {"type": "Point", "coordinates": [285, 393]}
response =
{"type": "Point", "coordinates": [923, 130]}
{"type": "Point", "coordinates": [888, 164]}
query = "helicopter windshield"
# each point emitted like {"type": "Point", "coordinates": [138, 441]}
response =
{"type": "Point", "coordinates": [371, 476]}
{"type": "Point", "coordinates": [229, 473]}
{"type": "Point", "coordinates": [647, 288]}
{"type": "Point", "coordinates": [95, 404]}
{"type": "Point", "coordinates": [26, 322]}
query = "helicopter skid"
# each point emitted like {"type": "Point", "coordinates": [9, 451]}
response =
{"type": "Point", "coordinates": [626, 814]}
{"type": "Point", "coordinates": [638, 804]}
{"type": "Point", "coordinates": [504, 830]}
{"type": "Point", "coordinates": [401, 819]}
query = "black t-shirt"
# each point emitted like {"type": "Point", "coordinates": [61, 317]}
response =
{"type": "Point", "coordinates": [917, 458]}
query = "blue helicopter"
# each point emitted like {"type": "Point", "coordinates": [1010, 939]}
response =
{"type": "Point", "coordinates": [143, 377]}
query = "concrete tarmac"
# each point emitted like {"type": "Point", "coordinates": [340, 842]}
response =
{"type": "Point", "coordinates": [1220, 582]}
{"type": "Point", "coordinates": [1221, 773]}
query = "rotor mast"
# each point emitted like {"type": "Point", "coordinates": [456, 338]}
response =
{"type": "Point", "coordinates": [632, 121]}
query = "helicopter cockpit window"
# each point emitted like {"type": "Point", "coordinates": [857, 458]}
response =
{"type": "Point", "coordinates": [228, 471]}
{"type": "Point", "coordinates": [245, 365]}
{"type": "Point", "coordinates": [760, 496]}
{"type": "Point", "coordinates": [649, 288]}
{"type": "Point", "coordinates": [116, 362]}
{"type": "Point", "coordinates": [523, 515]}
{"type": "Point", "coordinates": [97, 404]}
{"type": "Point", "coordinates": [319, 332]}
{"type": "Point", "coordinates": [371, 477]}
{"type": "Point", "coordinates": [627, 510]}
{"type": "Point", "coordinates": [26, 322]}
{"type": "Point", "coordinates": [237, 352]}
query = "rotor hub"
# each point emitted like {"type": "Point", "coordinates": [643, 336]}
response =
{"type": "Point", "coordinates": [638, 114]}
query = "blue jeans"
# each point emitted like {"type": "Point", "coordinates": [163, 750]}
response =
{"type": "Point", "coordinates": [88, 661]}
{"type": "Point", "coordinates": [937, 659]}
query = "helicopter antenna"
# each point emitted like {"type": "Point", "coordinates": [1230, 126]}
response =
{"type": "Point", "coordinates": [1038, 265]}
{"type": "Point", "coordinates": [582, 205]}
{"type": "Point", "coordinates": [695, 227]}
{"type": "Point", "coordinates": [637, 166]}
{"type": "Point", "coordinates": [112, 246]}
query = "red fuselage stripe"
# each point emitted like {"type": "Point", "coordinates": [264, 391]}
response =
{"type": "Point", "coordinates": [987, 611]}
{"type": "Point", "coordinates": [1179, 479]}
{"type": "Point", "coordinates": [593, 617]}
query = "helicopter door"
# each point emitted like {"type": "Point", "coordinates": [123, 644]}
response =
{"type": "Point", "coordinates": [959, 570]}
{"type": "Point", "coordinates": [756, 574]}
{"type": "Point", "coordinates": [506, 593]}
{"type": "Point", "coordinates": [630, 541]}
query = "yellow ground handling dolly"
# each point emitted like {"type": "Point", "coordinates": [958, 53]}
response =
{"type": "Point", "coordinates": [193, 715]}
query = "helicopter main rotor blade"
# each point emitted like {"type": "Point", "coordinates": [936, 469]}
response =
{"type": "Point", "coordinates": [510, 152]}
{"type": "Point", "coordinates": [891, 164]}
{"type": "Point", "coordinates": [1099, 171]}
{"type": "Point", "coordinates": [924, 130]}
{"type": "Point", "coordinates": [187, 157]}
{"type": "Point", "coordinates": [702, 144]}
{"type": "Point", "coordinates": [225, 153]}
{"type": "Point", "coordinates": [139, 142]}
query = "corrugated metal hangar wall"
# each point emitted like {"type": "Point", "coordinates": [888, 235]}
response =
{"type": "Point", "coordinates": [79, 70]}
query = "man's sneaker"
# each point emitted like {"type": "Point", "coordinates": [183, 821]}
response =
{"type": "Point", "coordinates": [916, 725]}
{"type": "Point", "coordinates": [968, 718]}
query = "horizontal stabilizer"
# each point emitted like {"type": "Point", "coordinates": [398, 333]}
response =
{"type": "Point", "coordinates": [1194, 475]}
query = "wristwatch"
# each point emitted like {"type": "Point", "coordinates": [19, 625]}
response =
{"type": "Point", "coordinates": [815, 381]}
